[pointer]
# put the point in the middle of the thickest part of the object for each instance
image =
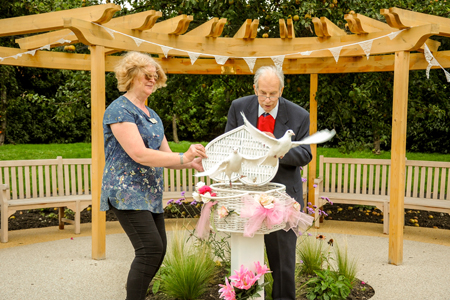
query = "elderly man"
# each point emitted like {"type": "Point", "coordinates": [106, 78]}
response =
{"type": "Point", "coordinates": [273, 114]}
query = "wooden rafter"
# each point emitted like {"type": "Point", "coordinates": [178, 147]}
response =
{"type": "Point", "coordinates": [176, 26]}
{"type": "Point", "coordinates": [54, 20]}
{"type": "Point", "coordinates": [248, 30]}
{"type": "Point", "coordinates": [139, 21]}
{"type": "Point", "coordinates": [360, 24]}
{"type": "Point", "coordinates": [206, 29]}
{"type": "Point", "coordinates": [286, 32]}
{"type": "Point", "coordinates": [325, 28]}
{"type": "Point", "coordinates": [401, 18]}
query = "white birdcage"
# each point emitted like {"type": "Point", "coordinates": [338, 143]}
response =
{"type": "Point", "coordinates": [256, 179]}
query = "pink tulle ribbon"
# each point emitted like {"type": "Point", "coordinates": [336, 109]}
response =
{"type": "Point", "coordinates": [257, 214]}
{"type": "Point", "coordinates": [295, 219]}
{"type": "Point", "coordinates": [202, 228]}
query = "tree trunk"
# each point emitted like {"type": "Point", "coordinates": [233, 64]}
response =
{"type": "Point", "coordinates": [2, 115]}
{"type": "Point", "coordinates": [174, 128]}
{"type": "Point", "coordinates": [376, 144]}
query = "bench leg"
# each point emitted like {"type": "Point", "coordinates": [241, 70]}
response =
{"type": "Point", "coordinates": [386, 218]}
{"type": "Point", "coordinates": [77, 217]}
{"type": "Point", "coordinates": [60, 217]}
{"type": "Point", "coordinates": [316, 218]}
{"type": "Point", "coordinates": [4, 224]}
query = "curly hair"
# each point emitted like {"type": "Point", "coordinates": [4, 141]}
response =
{"type": "Point", "coordinates": [133, 64]}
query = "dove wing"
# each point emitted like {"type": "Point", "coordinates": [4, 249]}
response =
{"type": "Point", "coordinates": [252, 161]}
{"type": "Point", "coordinates": [258, 134]}
{"type": "Point", "coordinates": [215, 170]}
{"type": "Point", "coordinates": [318, 137]}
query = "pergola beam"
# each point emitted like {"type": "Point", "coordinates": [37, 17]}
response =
{"type": "Point", "coordinates": [69, 61]}
{"type": "Point", "coordinates": [325, 28]}
{"type": "Point", "coordinates": [54, 20]}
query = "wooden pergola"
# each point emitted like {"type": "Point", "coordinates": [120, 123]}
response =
{"type": "Point", "coordinates": [96, 27]}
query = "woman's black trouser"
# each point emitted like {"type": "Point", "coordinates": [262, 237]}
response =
{"type": "Point", "coordinates": [147, 233]}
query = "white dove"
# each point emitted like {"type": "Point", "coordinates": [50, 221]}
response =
{"type": "Point", "coordinates": [232, 164]}
{"type": "Point", "coordinates": [279, 147]}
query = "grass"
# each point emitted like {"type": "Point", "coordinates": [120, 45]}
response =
{"type": "Point", "coordinates": [187, 268]}
{"type": "Point", "coordinates": [311, 252]}
{"type": "Point", "coordinates": [83, 150]}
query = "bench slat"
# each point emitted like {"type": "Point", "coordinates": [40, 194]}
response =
{"type": "Point", "coordinates": [358, 179]}
{"type": "Point", "coordinates": [41, 181]}
{"type": "Point", "coordinates": [352, 178]}
{"type": "Point", "coordinates": [435, 193]}
{"type": "Point", "coordinates": [416, 181]}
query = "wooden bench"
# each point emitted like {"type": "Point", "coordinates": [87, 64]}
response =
{"type": "Point", "coordinates": [48, 183]}
{"type": "Point", "coordinates": [177, 181]}
{"type": "Point", "coordinates": [367, 182]}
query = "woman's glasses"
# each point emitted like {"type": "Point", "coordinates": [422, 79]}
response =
{"type": "Point", "coordinates": [149, 77]}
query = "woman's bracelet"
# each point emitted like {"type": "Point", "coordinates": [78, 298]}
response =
{"type": "Point", "coordinates": [181, 158]}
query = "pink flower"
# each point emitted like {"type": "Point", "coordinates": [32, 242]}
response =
{"type": "Point", "coordinates": [362, 282]}
{"type": "Point", "coordinates": [244, 279]}
{"type": "Point", "coordinates": [204, 189]}
{"type": "Point", "coordinates": [261, 270]}
{"type": "Point", "coordinates": [227, 291]}
{"type": "Point", "coordinates": [222, 212]}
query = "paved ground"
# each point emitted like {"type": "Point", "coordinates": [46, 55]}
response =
{"type": "Point", "coordinates": [51, 264]}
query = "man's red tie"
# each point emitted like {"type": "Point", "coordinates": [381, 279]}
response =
{"type": "Point", "coordinates": [266, 122]}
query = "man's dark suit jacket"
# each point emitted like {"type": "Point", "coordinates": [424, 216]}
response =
{"type": "Point", "coordinates": [289, 116]}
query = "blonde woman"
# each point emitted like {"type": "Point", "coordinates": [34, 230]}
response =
{"type": "Point", "coordinates": [136, 151]}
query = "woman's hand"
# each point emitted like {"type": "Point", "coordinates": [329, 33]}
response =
{"type": "Point", "coordinates": [195, 150]}
{"type": "Point", "coordinates": [197, 164]}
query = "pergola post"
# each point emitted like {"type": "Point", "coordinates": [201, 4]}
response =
{"type": "Point", "coordinates": [98, 156]}
{"type": "Point", "coordinates": [398, 154]}
{"type": "Point", "coordinates": [312, 129]}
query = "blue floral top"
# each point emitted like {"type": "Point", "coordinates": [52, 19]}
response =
{"type": "Point", "coordinates": [127, 184]}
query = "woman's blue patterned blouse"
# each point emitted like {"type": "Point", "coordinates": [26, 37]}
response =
{"type": "Point", "coordinates": [127, 184]}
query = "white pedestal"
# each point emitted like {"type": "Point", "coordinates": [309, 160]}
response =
{"type": "Point", "coordinates": [246, 251]}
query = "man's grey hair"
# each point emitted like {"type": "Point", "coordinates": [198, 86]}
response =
{"type": "Point", "coordinates": [267, 70]}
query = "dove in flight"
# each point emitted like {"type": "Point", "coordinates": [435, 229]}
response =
{"type": "Point", "coordinates": [279, 147]}
{"type": "Point", "coordinates": [232, 164]}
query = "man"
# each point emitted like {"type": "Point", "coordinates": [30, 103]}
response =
{"type": "Point", "coordinates": [283, 115]}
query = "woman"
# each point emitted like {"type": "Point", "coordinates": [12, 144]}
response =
{"type": "Point", "coordinates": [136, 151]}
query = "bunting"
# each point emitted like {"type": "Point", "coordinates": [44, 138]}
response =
{"type": "Point", "coordinates": [193, 56]}
{"type": "Point", "coordinates": [335, 51]}
{"type": "Point", "coordinates": [250, 62]}
{"type": "Point", "coordinates": [221, 60]}
{"type": "Point", "coordinates": [278, 60]}
{"type": "Point", "coordinates": [366, 46]}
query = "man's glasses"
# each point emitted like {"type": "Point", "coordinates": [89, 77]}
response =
{"type": "Point", "coordinates": [151, 76]}
{"type": "Point", "coordinates": [264, 97]}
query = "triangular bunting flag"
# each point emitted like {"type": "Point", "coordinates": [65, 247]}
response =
{"type": "Point", "coordinates": [447, 75]}
{"type": "Point", "coordinates": [137, 41]}
{"type": "Point", "coordinates": [335, 51]}
{"type": "Point", "coordinates": [46, 47]}
{"type": "Point", "coordinates": [366, 46]}
{"type": "Point", "coordinates": [165, 49]}
{"type": "Point", "coordinates": [427, 53]}
{"type": "Point", "coordinates": [62, 41]}
{"type": "Point", "coordinates": [193, 56]}
{"type": "Point", "coordinates": [278, 61]}
{"type": "Point", "coordinates": [32, 52]}
{"type": "Point", "coordinates": [250, 62]}
{"type": "Point", "coordinates": [394, 34]}
{"type": "Point", "coordinates": [221, 60]}
{"type": "Point", "coordinates": [306, 53]}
